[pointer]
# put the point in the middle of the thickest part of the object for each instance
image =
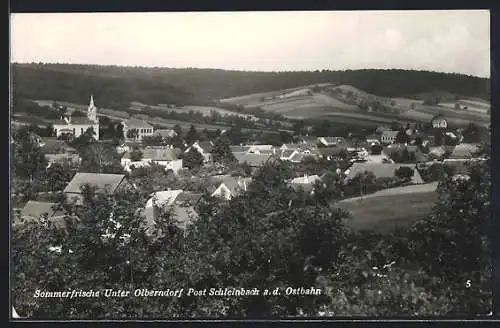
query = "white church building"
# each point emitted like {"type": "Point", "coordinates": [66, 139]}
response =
{"type": "Point", "coordinates": [76, 126]}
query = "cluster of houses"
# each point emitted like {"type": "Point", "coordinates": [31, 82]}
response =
{"type": "Point", "coordinates": [358, 152]}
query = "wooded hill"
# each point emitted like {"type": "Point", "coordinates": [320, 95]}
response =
{"type": "Point", "coordinates": [116, 86]}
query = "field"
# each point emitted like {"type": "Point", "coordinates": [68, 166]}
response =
{"type": "Point", "coordinates": [302, 103]}
{"type": "Point", "coordinates": [255, 98]}
{"type": "Point", "coordinates": [472, 106]}
{"type": "Point", "coordinates": [392, 208]}
{"type": "Point", "coordinates": [205, 110]}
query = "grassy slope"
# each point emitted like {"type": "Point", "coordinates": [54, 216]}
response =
{"type": "Point", "coordinates": [391, 208]}
{"type": "Point", "coordinates": [322, 105]}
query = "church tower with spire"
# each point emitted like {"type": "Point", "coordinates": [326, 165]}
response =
{"type": "Point", "coordinates": [92, 110]}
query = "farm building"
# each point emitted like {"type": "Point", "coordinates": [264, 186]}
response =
{"type": "Point", "coordinates": [164, 156]}
{"type": "Point", "coordinates": [439, 123]}
{"type": "Point", "coordinates": [104, 183]}
{"type": "Point", "coordinates": [136, 129]}
{"type": "Point", "coordinates": [388, 137]}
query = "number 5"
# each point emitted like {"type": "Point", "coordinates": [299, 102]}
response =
{"type": "Point", "coordinates": [467, 284]}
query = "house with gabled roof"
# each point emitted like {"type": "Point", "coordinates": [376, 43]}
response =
{"type": "Point", "coordinates": [332, 153]}
{"type": "Point", "coordinates": [41, 212]}
{"type": "Point", "coordinates": [388, 137]}
{"type": "Point", "coordinates": [136, 129]}
{"type": "Point", "coordinates": [204, 148]}
{"type": "Point", "coordinates": [179, 203]}
{"type": "Point", "coordinates": [231, 187]}
{"type": "Point", "coordinates": [239, 149]}
{"type": "Point", "coordinates": [439, 122]}
{"type": "Point", "coordinates": [59, 152]}
{"type": "Point", "coordinates": [304, 183]}
{"type": "Point", "coordinates": [160, 155]}
{"type": "Point", "coordinates": [253, 160]}
{"type": "Point", "coordinates": [331, 141]}
{"type": "Point", "coordinates": [109, 184]}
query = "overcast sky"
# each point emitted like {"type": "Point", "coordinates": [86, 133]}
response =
{"type": "Point", "coordinates": [445, 41]}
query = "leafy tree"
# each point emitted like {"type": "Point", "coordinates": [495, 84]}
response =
{"type": "Point", "coordinates": [28, 162]}
{"type": "Point", "coordinates": [178, 130]}
{"type": "Point", "coordinates": [221, 152]}
{"type": "Point", "coordinates": [58, 176]}
{"type": "Point", "coordinates": [299, 127]}
{"type": "Point", "coordinates": [402, 137]}
{"type": "Point", "coordinates": [376, 149]}
{"type": "Point", "coordinates": [192, 159]}
{"type": "Point", "coordinates": [132, 134]}
{"type": "Point", "coordinates": [135, 155]}
{"type": "Point", "coordinates": [152, 140]}
{"type": "Point", "coordinates": [100, 158]}
{"type": "Point", "coordinates": [104, 244]}
{"type": "Point", "coordinates": [192, 135]}
{"type": "Point", "coordinates": [329, 188]}
{"type": "Point", "coordinates": [453, 242]}
{"type": "Point", "coordinates": [405, 173]}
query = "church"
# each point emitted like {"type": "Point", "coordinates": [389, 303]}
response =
{"type": "Point", "coordinates": [77, 126]}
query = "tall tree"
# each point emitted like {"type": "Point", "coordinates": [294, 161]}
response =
{"type": "Point", "coordinates": [192, 135]}
{"type": "Point", "coordinates": [27, 159]}
{"type": "Point", "coordinates": [192, 159]}
{"type": "Point", "coordinates": [221, 152]}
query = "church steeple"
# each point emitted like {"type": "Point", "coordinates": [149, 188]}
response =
{"type": "Point", "coordinates": [92, 110]}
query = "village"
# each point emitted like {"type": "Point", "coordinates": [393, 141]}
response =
{"type": "Point", "coordinates": [177, 171]}
{"type": "Point", "coordinates": [251, 165]}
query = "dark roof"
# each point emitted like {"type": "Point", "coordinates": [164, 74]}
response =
{"type": "Point", "coordinates": [108, 182]}
{"type": "Point", "coordinates": [35, 209]}
{"type": "Point", "coordinates": [464, 150]}
{"type": "Point", "coordinates": [419, 155]}
{"type": "Point", "coordinates": [310, 139]}
{"type": "Point", "coordinates": [390, 133]}
{"type": "Point", "coordinates": [253, 160]}
{"type": "Point", "coordinates": [63, 157]}
{"type": "Point", "coordinates": [76, 120]}
{"type": "Point", "coordinates": [206, 146]}
{"type": "Point", "coordinates": [156, 154]}
{"type": "Point", "coordinates": [331, 151]}
{"type": "Point", "coordinates": [135, 123]}
{"type": "Point", "coordinates": [188, 197]}
{"type": "Point", "coordinates": [382, 128]}
{"type": "Point", "coordinates": [286, 153]}
{"type": "Point", "coordinates": [54, 146]}
{"type": "Point", "coordinates": [298, 157]}
{"type": "Point", "coordinates": [239, 149]}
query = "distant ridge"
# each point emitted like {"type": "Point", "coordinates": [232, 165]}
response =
{"type": "Point", "coordinates": [117, 85]}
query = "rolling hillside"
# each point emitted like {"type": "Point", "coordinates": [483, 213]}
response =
{"type": "Point", "coordinates": [342, 103]}
{"type": "Point", "coordinates": [384, 95]}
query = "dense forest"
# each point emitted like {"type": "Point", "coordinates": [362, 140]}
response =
{"type": "Point", "coordinates": [116, 86]}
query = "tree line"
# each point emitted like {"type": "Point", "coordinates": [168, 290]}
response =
{"type": "Point", "coordinates": [118, 86]}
